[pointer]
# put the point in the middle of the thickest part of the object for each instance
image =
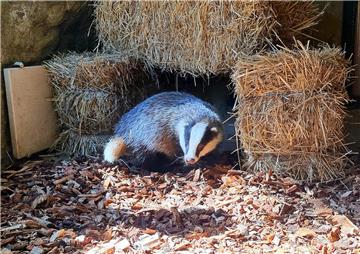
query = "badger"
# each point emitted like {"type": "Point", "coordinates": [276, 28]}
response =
{"type": "Point", "coordinates": [175, 124]}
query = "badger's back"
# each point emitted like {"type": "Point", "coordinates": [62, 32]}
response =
{"type": "Point", "coordinates": [151, 125]}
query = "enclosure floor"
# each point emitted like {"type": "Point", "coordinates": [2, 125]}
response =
{"type": "Point", "coordinates": [54, 206]}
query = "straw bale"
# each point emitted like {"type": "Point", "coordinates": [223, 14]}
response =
{"type": "Point", "coordinates": [308, 167]}
{"type": "Point", "coordinates": [290, 111]}
{"type": "Point", "coordinates": [196, 37]}
{"type": "Point", "coordinates": [104, 71]}
{"type": "Point", "coordinates": [199, 37]}
{"type": "Point", "coordinates": [92, 90]}
{"type": "Point", "coordinates": [72, 142]}
{"type": "Point", "coordinates": [88, 110]}
{"type": "Point", "coordinates": [291, 71]}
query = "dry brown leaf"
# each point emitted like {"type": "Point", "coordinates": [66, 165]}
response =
{"type": "Point", "coordinates": [334, 234]}
{"type": "Point", "coordinates": [110, 250]}
{"type": "Point", "coordinates": [124, 188]}
{"type": "Point", "coordinates": [38, 200]}
{"type": "Point", "coordinates": [323, 211]}
{"type": "Point", "coordinates": [32, 224]}
{"type": "Point", "coordinates": [62, 233]}
{"type": "Point", "coordinates": [46, 232]}
{"type": "Point", "coordinates": [64, 179]}
{"type": "Point", "coordinates": [305, 232]}
{"type": "Point", "coordinates": [207, 190]}
{"type": "Point", "coordinates": [136, 207]}
{"type": "Point", "coordinates": [291, 189]}
{"type": "Point", "coordinates": [197, 235]}
{"type": "Point", "coordinates": [107, 182]}
{"type": "Point", "coordinates": [149, 231]}
{"type": "Point", "coordinates": [58, 234]}
{"type": "Point", "coordinates": [107, 202]}
{"type": "Point", "coordinates": [176, 216]}
{"type": "Point", "coordinates": [161, 213]}
{"type": "Point", "coordinates": [16, 197]}
{"type": "Point", "coordinates": [347, 227]}
{"type": "Point", "coordinates": [93, 233]}
{"type": "Point", "coordinates": [107, 235]}
{"type": "Point", "coordinates": [232, 201]}
{"type": "Point", "coordinates": [7, 240]}
{"type": "Point", "coordinates": [285, 209]}
{"type": "Point", "coordinates": [270, 237]}
{"type": "Point", "coordinates": [228, 181]}
{"type": "Point", "coordinates": [162, 186]}
{"type": "Point", "coordinates": [92, 195]}
{"type": "Point", "coordinates": [197, 175]}
{"type": "Point", "coordinates": [182, 246]}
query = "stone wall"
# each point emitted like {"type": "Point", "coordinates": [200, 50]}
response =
{"type": "Point", "coordinates": [31, 31]}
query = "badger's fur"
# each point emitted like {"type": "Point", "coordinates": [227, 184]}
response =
{"type": "Point", "coordinates": [170, 123]}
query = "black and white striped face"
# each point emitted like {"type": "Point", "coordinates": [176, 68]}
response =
{"type": "Point", "coordinates": [198, 140]}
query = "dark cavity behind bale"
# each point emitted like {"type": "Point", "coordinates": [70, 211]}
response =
{"type": "Point", "coordinates": [295, 19]}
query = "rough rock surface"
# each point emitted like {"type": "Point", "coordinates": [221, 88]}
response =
{"type": "Point", "coordinates": [30, 30]}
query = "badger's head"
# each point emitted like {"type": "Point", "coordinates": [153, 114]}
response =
{"type": "Point", "coordinates": [198, 139]}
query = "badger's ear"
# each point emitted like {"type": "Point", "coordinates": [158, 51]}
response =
{"type": "Point", "coordinates": [214, 129]}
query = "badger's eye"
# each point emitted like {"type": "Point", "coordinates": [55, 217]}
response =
{"type": "Point", "coordinates": [200, 147]}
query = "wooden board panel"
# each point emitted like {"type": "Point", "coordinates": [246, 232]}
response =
{"type": "Point", "coordinates": [32, 118]}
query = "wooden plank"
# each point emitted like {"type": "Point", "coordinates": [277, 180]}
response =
{"type": "Point", "coordinates": [32, 119]}
{"type": "Point", "coordinates": [356, 86]}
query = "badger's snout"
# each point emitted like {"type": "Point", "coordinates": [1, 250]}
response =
{"type": "Point", "coordinates": [190, 160]}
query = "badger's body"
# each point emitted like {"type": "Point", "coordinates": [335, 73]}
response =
{"type": "Point", "coordinates": [171, 123]}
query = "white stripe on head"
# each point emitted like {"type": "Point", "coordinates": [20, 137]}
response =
{"type": "Point", "coordinates": [197, 133]}
{"type": "Point", "coordinates": [180, 129]}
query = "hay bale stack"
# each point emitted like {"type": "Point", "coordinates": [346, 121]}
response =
{"type": "Point", "coordinates": [196, 37]}
{"type": "Point", "coordinates": [91, 92]}
{"type": "Point", "coordinates": [290, 111]}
